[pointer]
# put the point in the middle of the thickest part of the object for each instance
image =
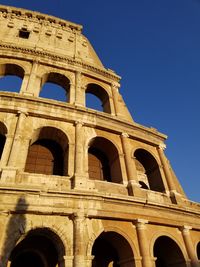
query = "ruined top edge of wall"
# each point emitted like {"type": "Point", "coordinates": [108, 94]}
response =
{"type": "Point", "coordinates": [24, 13]}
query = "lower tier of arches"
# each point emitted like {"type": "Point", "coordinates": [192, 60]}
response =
{"type": "Point", "coordinates": [78, 241]}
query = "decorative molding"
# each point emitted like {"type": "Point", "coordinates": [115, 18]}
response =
{"type": "Point", "coordinates": [54, 57]}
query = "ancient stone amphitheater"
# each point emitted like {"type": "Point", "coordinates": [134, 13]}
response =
{"type": "Point", "coordinates": [81, 187]}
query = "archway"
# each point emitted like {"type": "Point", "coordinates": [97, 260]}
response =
{"type": "Point", "coordinates": [41, 247]}
{"type": "Point", "coordinates": [49, 153]}
{"type": "Point", "coordinates": [168, 253]}
{"type": "Point", "coordinates": [97, 98]}
{"type": "Point", "coordinates": [103, 161]}
{"type": "Point", "coordinates": [11, 77]}
{"type": "Point", "coordinates": [148, 171]}
{"type": "Point", "coordinates": [111, 249]}
{"type": "Point", "coordinates": [55, 86]}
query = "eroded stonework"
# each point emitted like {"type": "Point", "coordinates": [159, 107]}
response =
{"type": "Point", "coordinates": [79, 186]}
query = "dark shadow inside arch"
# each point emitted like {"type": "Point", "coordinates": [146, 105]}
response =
{"type": "Point", "coordinates": [55, 86]}
{"type": "Point", "coordinates": [11, 77]}
{"type": "Point", "coordinates": [112, 249]}
{"type": "Point", "coordinates": [103, 161]}
{"type": "Point", "coordinates": [198, 251]}
{"type": "Point", "coordinates": [148, 171]}
{"type": "Point", "coordinates": [49, 153]}
{"type": "Point", "coordinates": [3, 132]}
{"type": "Point", "coordinates": [97, 98]}
{"type": "Point", "coordinates": [168, 253]}
{"type": "Point", "coordinates": [41, 247]}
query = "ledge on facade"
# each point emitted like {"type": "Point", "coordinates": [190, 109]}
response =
{"type": "Point", "coordinates": [110, 188]}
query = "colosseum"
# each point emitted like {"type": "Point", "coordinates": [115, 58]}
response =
{"type": "Point", "coordinates": [81, 186]}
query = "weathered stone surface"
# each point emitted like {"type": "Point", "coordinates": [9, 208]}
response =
{"type": "Point", "coordinates": [81, 187]}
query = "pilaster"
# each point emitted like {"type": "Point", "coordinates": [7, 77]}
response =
{"type": "Point", "coordinates": [115, 92]}
{"type": "Point", "coordinates": [143, 243]}
{"type": "Point", "coordinates": [175, 196]}
{"type": "Point", "coordinates": [16, 149]}
{"type": "Point", "coordinates": [133, 185]}
{"type": "Point", "coordinates": [32, 84]}
{"type": "Point", "coordinates": [80, 179]}
{"type": "Point", "coordinates": [185, 230]}
{"type": "Point", "coordinates": [79, 240]}
{"type": "Point", "coordinates": [79, 96]}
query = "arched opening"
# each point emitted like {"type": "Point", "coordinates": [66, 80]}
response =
{"type": "Point", "coordinates": [55, 86]}
{"type": "Point", "coordinates": [111, 249]}
{"type": "Point", "coordinates": [103, 161]}
{"type": "Point", "coordinates": [3, 132]}
{"type": "Point", "coordinates": [97, 98]}
{"type": "Point", "coordinates": [11, 77]}
{"type": "Point", "coordinates": [198, 251]}
{"type": "Point", "coordinates": [168, 253]}
{"type": "Point", "coordinates": [49, 153]}
{"type": "Point", "coordinates": [41, 248]}
{"type": "Point", "coordinates": [148, 171]}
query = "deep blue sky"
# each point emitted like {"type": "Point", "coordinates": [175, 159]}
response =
{"type": "Point", "coordinates": [155, 46]}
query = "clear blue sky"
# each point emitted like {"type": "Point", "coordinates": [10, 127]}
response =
{"type": "Point", "coordinates": [155, 46]}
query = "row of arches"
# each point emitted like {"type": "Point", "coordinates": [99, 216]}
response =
{"type": "Point", "coordinates": [43, 248]}
{"type": "Point", "coordinates": [48, 154]}
{"type": "Point", "coordinates": [54, 86]}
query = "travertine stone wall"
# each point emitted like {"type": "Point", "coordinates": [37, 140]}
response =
{"type": "Point", "coordinates": [135, 214]}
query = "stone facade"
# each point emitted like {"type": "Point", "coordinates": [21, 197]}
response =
{"type": "Point", "coordinates": [81, 187]}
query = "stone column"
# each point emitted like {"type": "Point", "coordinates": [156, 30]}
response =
{"type": "Point", "coordinates": [68, 260]}
{"type": "Point", "coordinates": [175, 196]}
{"type": "Point", "coordinates": [185, 230]}
{"type": "Point", "coordinates": [115, 92]}
{"type": "Point", "coordinates": [143, 243]}
{"type": "Point", "coordinates": [166, 169]}
{"type": "Point", "coordinates": [79, 240]}
{"type": "Point", "coordinates": [133, 185]}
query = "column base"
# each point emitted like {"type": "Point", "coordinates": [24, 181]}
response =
{"type": "Point", "coordinates": [79, 261]}
{"type": "Point", "coordinates": [9, 174]}
{"type": "Point", "coordinates": [134, 189]}
{"type": "Point", "coordinates": [81, 182]}
{"type": "Point", "coordinates": [176, 198]}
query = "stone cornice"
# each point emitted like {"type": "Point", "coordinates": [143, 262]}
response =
{"type": "Point", "coordinates": [134, 130]}
{"type": "Point", "coordinates": [56, 57]}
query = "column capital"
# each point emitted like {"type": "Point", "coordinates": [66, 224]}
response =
{"type": "Point", "coordinates": [125, 135]}
{"type": "Point", "coordinates": [115, 85]}
{"type": "Point", "coordinates": [79, 215]}
{"type": "Point", "coordinates": [78, 72]}
{"type": "Point", "coordinates": [23, 112]}
{"type": "Point", "coordinates": [162, 146]}
{"type": "Point", "coordinates": [185, 228]}
{"type": "Point", "coordinates": [141, 223]}
{"type": "Point", "coordinates": [80, 123]}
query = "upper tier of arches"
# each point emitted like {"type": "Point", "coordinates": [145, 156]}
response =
{"type": "Point", "coordinates": [55, 85]}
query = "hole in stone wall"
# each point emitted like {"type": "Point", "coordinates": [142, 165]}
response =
{"type": "Point", "coordinates": [23, 33]}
